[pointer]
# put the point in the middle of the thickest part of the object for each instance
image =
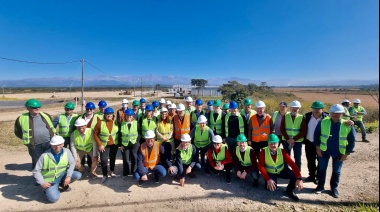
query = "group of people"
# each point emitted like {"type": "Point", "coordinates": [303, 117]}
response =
{"type": "Point", "coordinates": [162, 138]}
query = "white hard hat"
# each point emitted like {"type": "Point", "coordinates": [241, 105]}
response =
{"type": "Point", "coordinates": [189, 99]}
{"type": "Point", "coordinates": [357, 101]}
{"type": "Point", "coordinates": [168, 102]}
{"type": "Point", "coordinates": [172, 106]}
{"type": "Point", "coordinates": [124, 101]}
{"type": "Point", "coordinates": [185, 138]}
{"type": "Point", "coordinates": [217, 139]}
{"type": "Point", "coordinates": [295, 103]}
{"type": "Point", "coordinates": [162, 101]}
{"type": "Point", "coordinates": [346, 101]}
{"type": "Point", "coordinates": [202, 119]}
{"type": "Point", "coordinates": [180, 107]}
{"type": "Point", "coordinates": [56, 140]}
{"type": "Point", "coordinates": [260, 104]}
{"type": "Point", "coordinates": [163, 110]}
{"type": "Point", "coordinates": [337, 108]}
{"type": "Point", "coordinates": [80, 122]}
{"type": "Point", "coordinates": [149, 134]}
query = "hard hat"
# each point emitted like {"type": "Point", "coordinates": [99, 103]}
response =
{"type": "Point", "coordinates": [180, 107]}
{"type": "Point", "coordinates": [217, 139]}
{"type": "Point", "coordinates": [346, 101]}
{"type": "Point", "coordinates": [155, 104]}
{"type": "Point", "coordinates": [189, 99]}
{"type": "Point", "coordinates": [172, 106]}
{"type": "Point", "coordinates": [129, 112]}
{"type": "Point", "coordinates": [283, 104]}
{"type": "Point", "coordinates": [57, 140]}
{"type": "Point", "coordinates": [136, 103]}
{"type": "Point", "coordinates": [198, 102]}
{"type": "Point", "coordinates": [124, 101]}
{"type": "Point", "coordinates": [168, 102]}
{"type": "Point", "coordinates": [108, 110]}
{"type": "Point", "coordinates": [149, 107]}
{"type": "Point", "coordinates": [80, 122]}
{"type": "Point", "coordinates": [185, 138]}
{"type": "Point", "coordinates": [162, 101]}
{"type": "Point", "coordinates": [317, 105]}
{"type": "Point", "coordinates": [142, 100]}
{"type": "Point", "coordinates": [295, 103]}
{"type": "Point", "coordinates": [149, 134]}
{"type": "Point", "coordinates": [202, 119]}
{"type": "Point", "coordinates": [163, 110]}
{"type": "Point", "coordinates": [233, 105]}
{"type": "Point", "coordinates": [33, 103]}
{"type": "Point", "coordinates": [337, 108]}
{"type": "Point", "coordinates": [90, 105]}
{"type": "Point", "coordinates": [210, 103]}
{"type": "Point", "coordinates": [226, 106]}
{"type": "Point", "coordinates": [247, 101]}
{"type": "Point", "coordinates": [260, 104]}
{"type": "Point", "coordinates": [217, 103]}
{"type": "Point", "coordinates": [273, 138]}
{"type": "Point", "coordinates": [357, 101]}
{"type": "Point", "coordinates": [102, 104]}
{"type": "Point", "coordinates": [241, 138]}
{"type": "Point", "coordinates": [70, 106]}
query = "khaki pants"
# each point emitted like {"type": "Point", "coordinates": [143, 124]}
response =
{"type": "Point", "coordinates": [79, 166]}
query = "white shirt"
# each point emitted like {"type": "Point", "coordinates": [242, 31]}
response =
{"type": "Point", "coordinates": [311, 128]}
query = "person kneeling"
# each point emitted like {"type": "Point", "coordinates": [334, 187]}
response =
{"type": "Point", "coordinates": [55, 168]}
{"type": "Point", "coordinates": [219, 158]}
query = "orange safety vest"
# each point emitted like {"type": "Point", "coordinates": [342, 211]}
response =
{"type": "Point", "coordinates": [180, 129]}
{"type": "Point", "coordinates": [260, 133]}
{"type": "Point", "coordinates": [154, 158]}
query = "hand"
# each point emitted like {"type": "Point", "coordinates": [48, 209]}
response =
{"type": "Point", "coordinates": [94, 158]}
{"type": "Point", "coordinates": [349, 123]}
{"type": "Point", "coordinates": [67, 181]}
{"type": "Point", "coordinates": [343, 158]}
{"type": "Point", "coordinates": [249, 143]}
{"type": "Point", "coordinates": [121, 148]}
{"type": "Point", "coordinates": [171, 169]}
{"type": "Point", "coordinates": [144, 178]}
{"type": "Point", "coordinates": [182, 182]}
{"type": "Point", "coordinates": [319, 152]}
{"type": "Point", "coordinates": [291, 141]}
{"type": "Point", "coordinates": [46, 185]}
{"type": "Point", "coordinates": [238, 173]}
{"type": "Point", "coordinates": [299, 184]}
{"type": "Point", "coordinates": [188, 170]}
{"type": "Point", "coordinates": [271, 185]}
{"type": "Point", "coordinates": [101, 149]}
{"type": "Point", "coordinates": [224, 141]}
{"type": "Point", "coordinates": [243, 175]}
{"type": "Point", "coordinates": [220, 167]}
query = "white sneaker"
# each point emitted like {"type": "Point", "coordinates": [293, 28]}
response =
{"type": "Point", "coordinates": [104, 179]}
{"type": "Point", "coordinates": [111, 174]}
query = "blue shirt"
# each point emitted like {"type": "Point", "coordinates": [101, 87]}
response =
{"type": "Point", "coordinates": [57, 157]}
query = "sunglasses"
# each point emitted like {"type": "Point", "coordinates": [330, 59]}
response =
{"type": "Point", "coordinates": [68, 109]}
{"type": "Point", "coordinates": [88, 109]}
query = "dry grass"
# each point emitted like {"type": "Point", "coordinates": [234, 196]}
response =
{"type": "Point", "coordinates": [9, 139]}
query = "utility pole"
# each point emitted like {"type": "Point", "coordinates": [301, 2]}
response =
{"type": "Point", "coordinates": [141, 88]}
{"type": "Point", "coordinates": [82, 83]}
{"type": "Point", "coordinates": [3, 91]}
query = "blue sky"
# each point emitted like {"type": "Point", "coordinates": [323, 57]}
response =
{"type": "Point", "coordinates": [316, 39]}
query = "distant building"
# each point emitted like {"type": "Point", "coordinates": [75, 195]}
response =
{"type": "Point", "coordinates": [185, 90]}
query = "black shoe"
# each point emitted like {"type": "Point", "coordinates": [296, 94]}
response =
{"type": "Point", "coordinates": [365, 140]}
{"type": "Point", "coordinates": [216, 173]}
{"type": "Point", "coordinates": [318, 190]}
{"type": "Point", "coordinates": [66, 188]}
{"type": "Point", "coordinates": [335, 193]}
{"type": "Point", "coordinates": [192, 175]}
{"type": "Point", "coordinates": [255, 183]}
{"type": "Point", "coordinates": [292, 195]}
{"type": "Point", "coordinates": [141, 182]}
{"type": "Point", "coordinates": [228, 180]}
{"type": "Point", "coordinates": [312, 179]}
{"type": "Point", "coordinates": [156, 178]}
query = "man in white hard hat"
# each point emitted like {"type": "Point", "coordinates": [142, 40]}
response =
{"type": "Point", "coordinates": [162, 103]}
{"type": "Point", "coordinates": [219, 158]}
{"type": "Point", "coordinates": [172, 111]}
{"type": "Point", "coordinates": [357, 112]}
{"type": "Point", "coordinates": [346, 104]}
{"type": "Point", "coordinates": [333, 138]}
{"type": "Point", "coordinates": [181, 124]}
{"type": "Point", "coordinates": [168, 103]}
{"type": "Point", "coordinates": [189, 105]}
{"type": "Point", "coordinates": [55, 168]}
{"type": "Point", "coordinates": [120, 116]}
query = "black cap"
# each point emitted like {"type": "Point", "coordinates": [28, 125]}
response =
{"type": "Point", "coordinates": [283, 104]}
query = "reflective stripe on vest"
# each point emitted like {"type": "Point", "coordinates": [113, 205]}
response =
{"type": "Point", "coordinates": [260, 133]}
{"type": "Point", "coordinates": [293, 128]}
{"type": "Point", "coordinates": [164, 129]}
{"type": "Point", "coordinates": [356, 110]}
{"type": "Point", "coordinates": [180, 129]}
{"type": "Point", "coordinates": [24, 123]}
{"type": "Point", "coordinates": [145, 126]}
{"type": "Point", "coordinates": [241, 123]}
{"type": "Point", "coordinates": [64, 127]}
{"type": "Point", "coordinates": [216, 125]}
{"type": "Point", "coordinates": [83, 145]}
{"type": "Point", "coordinates": [271, 166]}
{"type": "Point", "coordinates": [346, 115]}
{"type": "Point", "coordinates": [325, 135]}
{"type": "Point", "coordinates": [105, 133]}
{"type": "Point", "coordinates": [187, 111]}
{"type": "Point", "coordinates": [186, 157]}
{"type": "Point", "coordinates": [201, 139]}
{"type": "Point", "coordinates": [129, 135]}
{"type": "Point", "coordinates": [150, 161]}
{"type": "Point", "coordinates": [221, 155]}
{"type": "Point", "coordinates": [247, 159]}
{"type": "Point", "coordinates": [50, 170]}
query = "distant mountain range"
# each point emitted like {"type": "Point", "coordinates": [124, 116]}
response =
{"type": "Point", "coordinates": [151, 80]}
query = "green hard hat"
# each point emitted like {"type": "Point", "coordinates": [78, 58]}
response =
{"type": "Point", "coordinates": [241, 138]}
{"type": "Point", "coordinates": [247, 101]}
{"type": "Point", "coordinates": [136, 103]}
{"type": "Point", "coordinates": [226, 106]}
{"type": "Point", "coordinates": [70, 105]}
{"type": "Point", "coordinates": [217, 103]}
{"type": "Point", "coordinates": [317, 105]}
{"type": "Point", "coordinates": [33, 103]}
{"type": "Point", "coordinates": [273, 138]}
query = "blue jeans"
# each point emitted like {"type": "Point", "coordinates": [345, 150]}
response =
{"type": "Point", "coordinates": [362, 128]}
{"type": "Point", "coordinates": [52, 193]}
{"type": "Point", "coordinates": [323, 163]}
{"type": "Point", "coordinates": [158, 169]}
{"type": "Point", "coordinates": [37, 151]}
{"type": "Point", "coordinates": [297, 148]}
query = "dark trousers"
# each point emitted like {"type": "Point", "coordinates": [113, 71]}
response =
{"type": "Point", "coordinates": [202, 152]}
{"type": "Point", "coordinates": [177, 143]}
{"type": "Point", "coordinates": [67, 142]}
{"type": "Point", "coordinates": [257, 146]}
{"type": "Point", "coordinates": [129, 156]}
{"type": "Point", "coordinates": [311, 156]}
{"type": "Point", "coordinates": [286, 173]}
{"type": "Point", "coordinates": [110, 152]}
{"type": "Point", "coordinates": [227, 167]}
{"type": "Point", "coordinates": [36, 151]}
{"type": "Point", "coordinates": [86, 158]}
{"type": "Point", "coordinates": [279, 138]}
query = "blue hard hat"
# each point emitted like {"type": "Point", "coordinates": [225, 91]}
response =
{"type": "Point", "coordinates": [155, 104]}
{"type": "Point", "coordinates": [198, 102]}
{"type": "Point", "coordinates": [142, 100]}
{"type": "Point", "coordinates": [108, 110]}
{"type": "Point", "coordinates": [149, 107]}
{"type": "Point", "coordinates": [102, 103]}
{"type": "Point", "coordinates": [210, 103]}
{"type": "Point", "coordinates": [129, 112]}
{"type": "Point", "coordinates": [233, 105]}
{"type": "Point", "coordinates": [90, 105]}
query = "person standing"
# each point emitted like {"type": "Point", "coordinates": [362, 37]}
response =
{"type": "Point", "coordinates": [247, 113]}
{"type": "Point", "coordinates": [216, 117]}
{"type": "Point", "coordinates": [276, 119]}
{"type": "Point", "coordinates": [120, 115]}
{"type": "Point", "coordinates": [346, 104]}
{"type": "Point", "coordinates": [196, 113]}
{"type": "Point", "coordinates": [225, 108]}
{"type": "Point", "coordinates": [156, 111]}
{"type": "Point", "coordinates": [181, 124]}
{"type": "Point", "coordinates": [189, 105]}
{"type": "Point", "coordinates": [137, 114]}
{"type": "Point", "coordinates": [219, 158]}
{"type": "Point", "coordinates": [65, 122]}
{"type": "Point", "coordinates": [357, 112]}
{"type": "Point", "coordinates": [232, 125]}
{"type": "Point", "coordinates": [142, 105]}
{"type": "Point", "coordinates": [164, 132]}
{"type": "Point", "coordinates": [102, 106]}
{"type": "Point", "coordinates": [35, 128]}
{"type": "Point", "coordinates": [172, 111]}
{"type": "Point", "coordinates": [147, 122]}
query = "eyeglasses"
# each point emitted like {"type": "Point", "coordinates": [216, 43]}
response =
{"type": "Point", "coordinates": [89, 109]}
{"type": "Point", "coordinates": [67, 109]}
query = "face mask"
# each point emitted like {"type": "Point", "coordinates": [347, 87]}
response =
{"type": "Point", "coordinates": [124, 105]}
{"type": "Point", "coordinates": [209, 107]}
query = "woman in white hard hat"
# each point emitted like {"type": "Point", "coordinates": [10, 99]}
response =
{"type": "Point", "coordinates": [120, 116]}
{"type": "Point", "coordinates": [172, 111]}
{"type": "Point", "coordinates": [219, 158]}
{"type": "Point", "coordinates": [164, 131]}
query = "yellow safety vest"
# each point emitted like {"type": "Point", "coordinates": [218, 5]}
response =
{"type": "Point", "coordinates": [356, 110]}
{"type": "Point", "coordinates": [247, 158]}
{"type": "Point", "coordinates": [129, 135]}
{"type": "Point", "coordinates": [64, 127]}
{"type": "Point", "coordinates": [145, 127]}
{"type": "Point", "coordinates": [271, 166]}
{"type": "Point", "coordinates": [325, 134]}
{"type": "Point", "coordinates": [105, 133]}
{"type": "Point", "coordinates": [164, 129]}
{"type": "Point", "coordinates": [186, 157]}
{"type": "Point", "coordinates": [216, 125]}
{"type": "Point", "coordinates": [221, 155]}
{"type": "Point", "coordinates": [293, 128]}
{"type": "Point", "coordinates": [24, 123]}
{"type": "Point", "coordinates": [51, 170]}
{"type": "Point", "coordinates": [201, 140]}
{"type": "Point", "coordinates": [86, 144]}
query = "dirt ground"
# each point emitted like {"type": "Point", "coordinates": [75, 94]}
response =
{"type": "Point", "coordinates": [359, 185]}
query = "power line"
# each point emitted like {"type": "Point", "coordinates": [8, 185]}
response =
{"type": "Point", "coordinates": [105, 73]}
{"type": "Point", "coordinates": [39, 63]}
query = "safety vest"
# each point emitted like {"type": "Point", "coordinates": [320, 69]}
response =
{"type": "Point", "coordinates": [216, 125]}
{"type": "Point", "coordinates": [356, 110]}
{"type": "Point", "coordinates": [105, 133]}
{"type": "Point", "coordinates": [293, 128]}
{"type": "Point", "coordinates": [154, 158]}
{"type": "Point", "coordinates": [181, 128]}
{"type": "Point", "coordinates": [186, 157]}
{"type": "Point", "coordinates": [221, 155]}
{"type": "Point", "coordinates": [164, 130]}
{"type": "Point", "coordinates": [275, 114]}
{"type": "Point", "coordinates": [64, 127]}
{"type": "Point", "coordinates": [128, 135]}
{"type": "Point", "coordinates": [99, 115]}
{"type": "Point", "coordinates": [51, 170]}
{"type": "Point", "coordinates": [83, 145]}
{"type": "Point", "coordinates": [201, 139]}
{"type": "Point", "coordinates": [247, 159]}
{"type": "Point", "coordinates": [241, 123]}
{"type": "Point", "coordinates": [260, 133]}
{"type": "Point", "coordinates": [346, 115]}
{"type": "Point", "coordinates": [253, 112]}
{"type": "Point", "coordinates": [24, 123]}
{"type": "Point", "coordinates": [145, 126]}
{"type": "Point", "coordinates": [271, 166]}
{"type": "Point", "coordinates": [188, 111]}
{"type": "Point", "coordinates": [325, 134]}
{"type": "Point", "coordinates": [194, 117]}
